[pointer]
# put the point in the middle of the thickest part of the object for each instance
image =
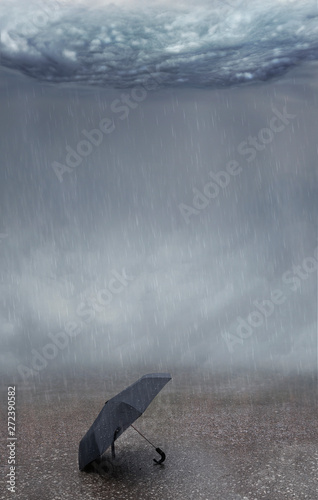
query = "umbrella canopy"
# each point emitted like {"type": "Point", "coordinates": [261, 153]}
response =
{"type": "Point", "coordinates": [118, 414]}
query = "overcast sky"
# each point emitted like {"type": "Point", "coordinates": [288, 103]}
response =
{"type": "Point", "coordinates": [117, 227]}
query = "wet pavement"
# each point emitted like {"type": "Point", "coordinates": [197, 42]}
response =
{"type": "Point", "coordinates": [225, 438]}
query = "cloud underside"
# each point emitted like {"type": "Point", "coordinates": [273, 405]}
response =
{"type": "Point", "coordinates": [210, 46]}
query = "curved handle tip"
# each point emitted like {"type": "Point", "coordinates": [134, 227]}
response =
{"type": "Point", "coordinates": [163, 457]}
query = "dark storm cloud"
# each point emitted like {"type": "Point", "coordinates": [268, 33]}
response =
{"type": "Point", "coordinates": [207, 45]}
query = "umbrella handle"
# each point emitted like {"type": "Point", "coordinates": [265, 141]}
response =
{"type": "Point", "coordinates": [163, 457]}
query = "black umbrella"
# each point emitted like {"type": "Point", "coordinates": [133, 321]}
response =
{"type": "Point", "coordinates": [118, 414]}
